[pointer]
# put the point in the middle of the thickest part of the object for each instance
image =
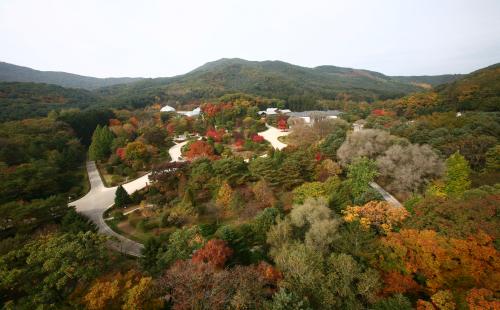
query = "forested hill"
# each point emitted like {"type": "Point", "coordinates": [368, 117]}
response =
{"type": "Point", "coordinates": [479, 90]}
{"type": "Point", "coordinates": [428, 81]}
{"type": "Point", "coordinates": [13, 73]}
{"type": "Point", "coordinates": [299, 87]}
{"type": "Point", "coordinates": [274, 79]}
{"type": "Point", "coordinates": [25, 100]}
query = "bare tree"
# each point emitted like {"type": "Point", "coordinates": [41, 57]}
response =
{"type": "Point", "coordinates": [407, 169]}
{"type": "Point", "coordinates": [307, 134]}
{"type": "Point", "coordinates": [368, 143]}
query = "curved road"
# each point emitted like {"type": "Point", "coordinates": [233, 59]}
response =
{"type": "Point", "coordinates": [100, 198]}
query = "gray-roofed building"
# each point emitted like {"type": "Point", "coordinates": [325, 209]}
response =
{"type": "Point", "coordinates": [311, 116]}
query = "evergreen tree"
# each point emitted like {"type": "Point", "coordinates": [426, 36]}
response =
{"type": "Point", "coordinates": [360, 173]}
{"type": "Point", "coordinates": [122, 198]}
{"type": "Point", "coordinates": [493, 159]}
{"type": "Point", "coordinates": [457, 179]}
{"type": "Point", "coordinates": [148, 260]}
{"type": "Point", "coordinates": [102, 139]}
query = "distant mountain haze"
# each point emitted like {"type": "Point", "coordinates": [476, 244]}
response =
{"type": "Point", "coordinates": [15, 73]}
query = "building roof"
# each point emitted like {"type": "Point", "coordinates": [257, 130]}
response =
{"type": "Point", "coordinates": [167, 108]}
{"type": "Point", "coordinates": [274, 111]}
{"type": "Point", "coordinates": [315, 112]}
{"type": "Point", "coordinates": [195, 112]}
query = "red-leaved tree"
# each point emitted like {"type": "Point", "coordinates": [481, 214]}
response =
{"type": "Point", "coordinates": [200, 149]}
{"type": "Point", "coordinates": [215, 253]}
{"type": "Point", "coordinates": [282, 124]}
{"type": "Point", "coordinates": [258, 138]}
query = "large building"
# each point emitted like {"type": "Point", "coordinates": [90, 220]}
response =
{"type": "Point", "coordinates": [309, 117]}
{"type": "Point", "coordinates": [195, 112]}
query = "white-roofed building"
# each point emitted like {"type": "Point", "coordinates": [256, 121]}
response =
{"type": "Point", "coordinates": [167, 108]}
{"type": "Point", "coordinates": [195, 112]}
{"type": "Point", "coordinates": [274, 111]}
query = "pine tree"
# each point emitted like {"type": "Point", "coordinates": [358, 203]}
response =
{"type": "Point", "coordinates": [493, 159]}
{"type": "Point", "coordinates": [122, 198]}
{"type": "Point", "coordinates": [100, 148]}
{"type": "Point", "coordinates": [457, 179]}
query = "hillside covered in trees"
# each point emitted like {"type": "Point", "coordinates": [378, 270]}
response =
{"type": "Point", "coordinates": [297, 88]}
{"type": "Point", "coordinates": [27, 100]}
{"type": "Point", "coordinates": [230, 221]}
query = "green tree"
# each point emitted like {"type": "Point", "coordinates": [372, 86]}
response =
{"type": "Point", "coordinates": [397, 301]}
{"type": "Point", "coordinates": [334, 282]}
{"type": "Point", "coordinates": [359, 174]}
{"type": "Point", "coordinates": [43, 272]}
{"type": "Point", "coordinates": [493, 159]}
{"type": "Point", "coordinates": [122, 198]}
{"type": "Point", "coordinates": [181, 245]}
{"type": "Point", "coordinates": [74, 222]}
{"type": "Point", "coordinates": [330, 145]}
{"type": "Point", "coordinates": [308, 190]}
{"type": "Point", "coordinates": [457, 179]}
{"type": "Point", "coordinates": [100, 147]}
{"type": "Point", "coordinates": [284, 300]}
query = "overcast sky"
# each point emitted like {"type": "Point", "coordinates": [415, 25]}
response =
{"type": "Point", "coordinates": [163, 38]}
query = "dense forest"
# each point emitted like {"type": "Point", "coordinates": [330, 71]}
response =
{"type": "Point", "coordinates": [234, 222]}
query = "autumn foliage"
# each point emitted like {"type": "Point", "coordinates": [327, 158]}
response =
{"type": "Point", "coordinates": [199, 149]}
{"type": "Point", "coordinates": [114, 122]}
{"type": "Point", "coordinates": [216, 135]}
{"type": "Point", "coordinates": [482, 299]}
{"type": "Point", "coordinates": [210, 109]}
{"type": "Point", "coordinates": [380, 214]}
{"type": "Point", "coordinates": [130, 290]}
{"type": "Point", "coordinates": [446, 262]}
{"type": "Point", "coordinates": [239, 143]}
{"type": "Point", "coordinates": [282, 124]}
{"type": "Point", "coordinates": [215, 253]}
{"type": "Point", "coordinates": [258, 138]}
{"type": "Point", "coordinates": [120, 152]}
{"type": "Point", "coordinates": [269, 272]}
{"type": "Point", "coordinates": [202, 286]}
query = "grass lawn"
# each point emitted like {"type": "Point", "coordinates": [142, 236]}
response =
{"type": "Point", "coordinates": [111, 180]}
{"type": "Point", "coordinates": [129, 227]}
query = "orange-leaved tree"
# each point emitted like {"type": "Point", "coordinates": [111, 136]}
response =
{"type": "Point", "coordinates": [215, 253]}
{"type": "Point", "coordinates": [199, 149]}
{"type": "Point", "coordinates": [379, 214]}
{"type": "Point", "coordinates": [446, 263]}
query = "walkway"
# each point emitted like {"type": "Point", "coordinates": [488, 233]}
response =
{"type": "Point", "coordinates": [100, 198]}
{"type": "Point", "coordinates": [387, 197]}
{"type": "Point", "coordinates": [272, 134]}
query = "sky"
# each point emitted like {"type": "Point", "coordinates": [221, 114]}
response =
{"type": "Point", "coordinates": [152, 38]}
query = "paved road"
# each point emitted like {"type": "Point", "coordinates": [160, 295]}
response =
{"type": "Point", "coordinates": [272, 134]}
{"type": "Point", "coordinates": [387, 197]}
{"type": "Point", "coordinates": [100, 198]}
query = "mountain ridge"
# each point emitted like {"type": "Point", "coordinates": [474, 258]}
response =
{"type": "Point", "coordinates": [14, 73]}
